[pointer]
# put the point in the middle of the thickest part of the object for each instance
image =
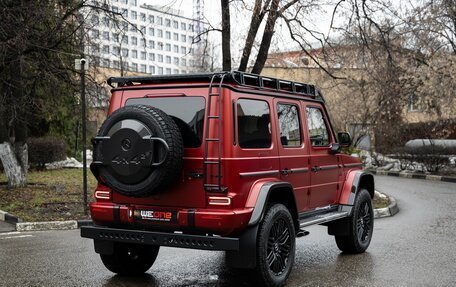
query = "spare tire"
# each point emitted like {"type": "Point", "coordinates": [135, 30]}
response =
{"type": "Point", "coordinates": [138, 151]}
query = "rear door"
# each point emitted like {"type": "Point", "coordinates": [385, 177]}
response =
{"type": "Point", "coordinates": [324, 166]}
{"type": "Point", "coordinates": [294, 154]}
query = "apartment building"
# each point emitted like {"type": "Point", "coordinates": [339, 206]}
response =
{"type": "Point", "coordinates": [137, 37]}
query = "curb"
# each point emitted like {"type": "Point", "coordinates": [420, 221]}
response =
{"type": "Point", "coordinates": [414, 175]}
{"type": "Point", "coordinates": [391, 210]}
{"type": "Point", "coordinates": [52, 225]}
{"type": "Point", "coordinates": [5, 216]}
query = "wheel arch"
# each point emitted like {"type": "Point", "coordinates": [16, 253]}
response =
{"type": "Point", "coordinates": [355, 181]}
{"type": "Point", "coordinates": [274, 191]}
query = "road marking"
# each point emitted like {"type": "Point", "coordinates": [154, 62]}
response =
{"type": "Point", "coordinates": [10, 233]}
{"type": "Point", "coordinates": [14, 237]}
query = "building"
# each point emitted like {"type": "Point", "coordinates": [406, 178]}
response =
{"type": "Point", "coordinates": [140, 38]}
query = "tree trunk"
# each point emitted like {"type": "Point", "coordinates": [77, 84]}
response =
{"type": "Point", "coordinates": [226, 36]}
{"type": "Point", "coordinates": [15, 170]}
{"type": "Point", "coordinates": [267, 37]}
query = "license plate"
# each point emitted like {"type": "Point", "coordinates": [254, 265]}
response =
{"type": "Point", "coordinates": [156, 215]}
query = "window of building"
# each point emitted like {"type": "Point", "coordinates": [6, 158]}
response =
{"type": "Point", "coordinates": [160, 33]}
{"type": "Point", "coordinates": [168, 71]}
{"type": "Point", "coordinates": [116, 64]}
{"type": "Point", "coordinates": [95, 48]}
{"type": "Point", "coordinates": [133, 2]}
{"type": "Point", "coordinates": [175, 71]}
{"type": "Point", "coordinates": [151, 44]}
{"type": "Point", "coordinates": [160, 58]}
{"type": "Point", "coordinates": [95, 20]}
{"type": "Point", "coordinates": [413, 103]}
{"type": "Point", "coordinates": [124, 1]}
{"type": "Point", "coordinates": [159, 20]}
{"type": "Point", "coordinates": [168, 59]}
{"type": "Point", "coordinates": [142, 68]}
{"type": "Point", "coordinates": [105, 63]}
{"type": "Point", "coordinates": [143, 29]}
{"type": "Point", "coordinates": [318, 131]}
{"type": "Point", "coordinates": [160, 70]}
{"type": "Point", "coordinates": [125, 39]}
{"type": "Point", "coordinates": [167, 23]}
{"type": "Point", "coordinates": [124, 26]}
{"type": "Point", "coordinates": [183, 50]}
{"type": "Point", "coordinates": [124, 13]}
{"type": "Point", "coordinates": [124, 52]}
{"type": "Point", "coordinates": [125, 65]}
{"type": "Point", "coordinates": [134, 54]}
{"type": "Point", "coordinates": [134, 41]}
{"type": "Point", "coordinates": [105, 49]}
{"type": "Point", "coordinates": [134, 67]}
{"type": "Point", "coordinates": [176, 61]}
{"type": "Point", "coordinates": [133, 15]}
{"type": "Point", "coordinates": [151, 32]}
{"type": "Point", "coordinates": [143, 55]}
{"type": "Point", "coordinates": [168, 47]}
{"type": "Point", "coordinates": [183, 38]}
{"type": "Point", "coordinates": [160, 46]}
{"type": "Point", "coordinates": [175, 24]}
{"type": "Point", "coordinates": [183, 62]}
{"type": "Point", "coordinates": [183, 26]}
{"type": "Point", "coordinates": [115, 9]}
{"type": "Point", "coordinates": [142, 42]}
{"type": "Point", "coordinates": [190, 27]}
{"type": "Point", "coordinates": [168, 35]}
{"type": "Point", "coordinates": [176, 49]}
{"type": "Point", "coordinates": [115, 37]}
{"type": "Point", "coordinates": [95, 33]}
{"type": "Point", "coordinates": [105, 21]}
{"type": "Point", "coordinates": [175, 37]}
{"type": "Point", "coordinates": [289, 127]}
{"type": "Point", "coordinates": [133, 28]}
{"type": "Point", "coordinates": [142, 17]}
{"type": "Point", "coordinates": [151, 19]}
{"type": "Point", "coordinates": [254, 128]}
{"type": "Point", "coordinates": [151, 57]}
{"type": "Point", "coordinates": [115, 51]}
{"type": "Point", "coordinates": [152, 69]}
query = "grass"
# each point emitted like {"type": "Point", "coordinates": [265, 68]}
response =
{"type": "Point", "coordinates": [57, 195]}
{"type": "Point", "coordinates": [49, 195]}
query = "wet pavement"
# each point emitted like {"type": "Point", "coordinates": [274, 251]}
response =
{"type": "Point", "coordinates": [416, 247]}
{"type": "Point", "coordinates": [6, 227]}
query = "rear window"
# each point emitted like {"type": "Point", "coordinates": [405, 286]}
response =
{"type": "Point", "coordinates": [187, 112]}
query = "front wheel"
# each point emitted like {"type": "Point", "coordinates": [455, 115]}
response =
{"type": "Point", "coordinates": [130, 259]}
{"type": "Point", "coordinates": [360, 225]}
{"type": "Point", "coordinates": [275, 246]}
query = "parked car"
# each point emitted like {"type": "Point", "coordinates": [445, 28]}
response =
{"type": "Point", "coordinates": [223, 161]}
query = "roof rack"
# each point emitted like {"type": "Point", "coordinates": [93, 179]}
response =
{"type": "Point", "coordinates": [240, 78]}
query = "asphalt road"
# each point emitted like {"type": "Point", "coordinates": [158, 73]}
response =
{"type": "Point", "coordinates": [416, 247]}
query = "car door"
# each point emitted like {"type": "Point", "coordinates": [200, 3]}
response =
{"type": "Point", "coordinates": [293, 153]}
{"type": "Point", "coordinates": [324, 166]}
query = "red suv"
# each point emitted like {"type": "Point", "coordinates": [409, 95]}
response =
{"type": "Point", "coordinates": [222, 161]}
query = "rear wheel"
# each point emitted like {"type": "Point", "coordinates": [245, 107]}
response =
{"type": "Point", "coordinates": [275, 246]}
{"type": "Point", "coordinates": [130, 259]}
{"type": "Point", "coordinates": [360, 225]}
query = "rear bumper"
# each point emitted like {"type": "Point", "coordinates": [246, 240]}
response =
{"type": "Point", "coordinates": [160, 238]}
{"type": "Point", "coordinates": [216, 221]}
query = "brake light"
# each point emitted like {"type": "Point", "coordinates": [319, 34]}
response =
{"type": "Point", "coordinates": [103, 194]}
{"type": "Point", "coordinates": [219, 200]}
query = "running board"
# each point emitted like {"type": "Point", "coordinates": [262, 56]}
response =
{"type": "Point", "coordinates": [323, 218]}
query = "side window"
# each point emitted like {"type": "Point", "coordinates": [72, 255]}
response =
{"type": "Point", "coordinates": [318, 131]}
{"type": "Point", "coordinates": [290, 130]}
{"type": "Point", "coordinates": [254, 128]}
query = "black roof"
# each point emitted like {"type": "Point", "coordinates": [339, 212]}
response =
{"type": "Point", "coordinates": [234, 77]}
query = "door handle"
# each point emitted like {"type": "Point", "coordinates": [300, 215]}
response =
{"type": "Point", "coordinates": [315, 169]}
{"type": "Point", "coordinates": [286, 171]}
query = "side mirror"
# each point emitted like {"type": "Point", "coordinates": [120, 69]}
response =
{"type": "Point", "coordinates": [344, 139]}
{"type": "Point", "coordinates": [334, 148]}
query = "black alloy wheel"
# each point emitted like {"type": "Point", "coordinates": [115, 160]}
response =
{"type": "Point", "coordinates": [363, 222]}
{"type": "Point", "coordinates": [279, 246]}
{"type": "Point", "coordinates": [275, 246]}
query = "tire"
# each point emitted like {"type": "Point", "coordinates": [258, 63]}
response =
{"type": "Point", "coordinates": [130, 259]}
{"type": "Point", "coordinates": [275, 246]}
{"type": "Point", "coordinates": [131, 168]}
{"type": "Point", "coordinates": [360, 224]}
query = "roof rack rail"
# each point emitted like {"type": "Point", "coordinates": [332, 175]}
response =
{"type": "Point", "coordinates": [239, 78]}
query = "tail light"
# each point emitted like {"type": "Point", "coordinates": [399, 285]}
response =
{"type": "Point", "coordinates": [102, 193]}
{"type": "Point", "coordinates": [219, 200]}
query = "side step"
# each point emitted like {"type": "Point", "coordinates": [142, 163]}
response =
{"type": "Point", "coordinates": [322, 218]}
